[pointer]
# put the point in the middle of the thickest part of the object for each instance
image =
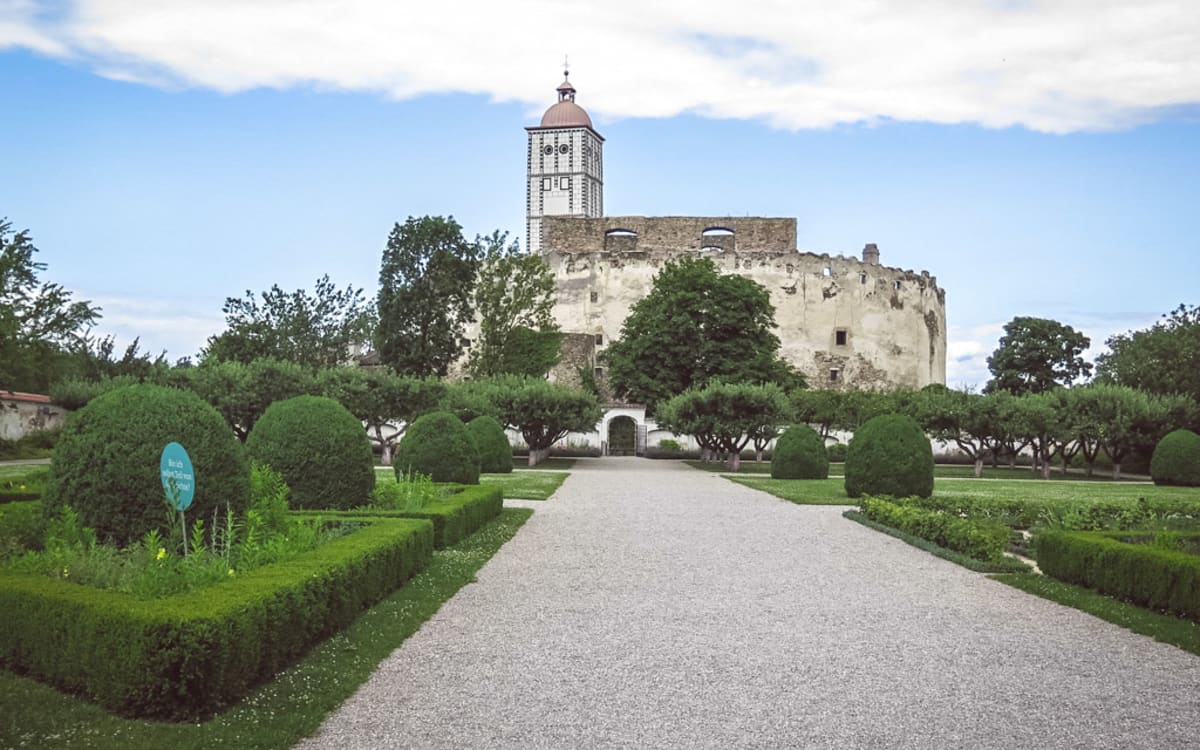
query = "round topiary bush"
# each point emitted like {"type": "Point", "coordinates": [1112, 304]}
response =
{"type": "Point", "coordinates": [106, 462]}
{"type": "Point", "coordinates": [799, 454]}
{"type": "Point", "coordinates": [321, 450]}
{"type": "Point", "coordinates": [1176, 459]}
{"type": "Point", "coordinates": [438, 445]}
{"type": "Point", "coordinates": [889, 455]}
{"type": "Point", "coordinates": [495, 453]}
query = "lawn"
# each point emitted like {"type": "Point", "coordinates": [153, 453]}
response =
{"type": "Point", "coordinates": [527, 485]}
{"type": "Point", "coordinates": [941, 471]}
{"type": "Point", "coordinates": [7, 471]}
{"type": "Point", "coordinates": [831, 491]}
{"type": "Point", "coordinates": [281, 712]}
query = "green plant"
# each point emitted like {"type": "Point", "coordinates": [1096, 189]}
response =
{"type": "Point", "coordinates": [981, 540]}
{"type": "Point", "coordinates": [437, 444]}
{"type": "Point", "coordinates": [669, 445]}
{"type": "Point", "coordinates": [495, 452]}
{"type": "Point", "coordinates": [836, 452]}
{"type": "Point", "coordinates": [799, 454]}
{"type": "Point", "coordinates": [455, 516]}
{"type": "Point", "coordinates": [106, 463]}
{"type": "Point", "coordinates": [268, 500]}
{"type": "Point", "coordinates": [889, 455]}
{"type": "Point", "coordinates": [26, 486]}
{"type": "Point", "coordinates": [22, 528]}
{"type": "Point", "coordinates": [319, 448]}
{"type": "Point", "coordinates": [1176, 459]}
{"type": "Point", "coordinates": [410, 492]}
{"type": "Point", "coordinates": [995, 565]}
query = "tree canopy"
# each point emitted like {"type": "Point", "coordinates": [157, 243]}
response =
{"type": "Point", "coordinates": [426, 279]}
{"type": "Point", "coordinates": [1036, 355]}
{"type": "Point", "coordinates": [696, 325]}
{"type": "Point", "coordinates": [514, 296]}
{"type": "Point", "coordinates": [1163, 359]}
{"type": "Point", "coordinates": [316, 330]}
{"type": "Point", "coordinates": [724, 417]}
{"type": "Point", "coordinates": [39, 322]}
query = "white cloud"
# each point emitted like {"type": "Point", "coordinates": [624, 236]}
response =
{"type": "Point", "coordinates": [1055, 66]}
{"type": "Point", "coordinates": [179, 329]}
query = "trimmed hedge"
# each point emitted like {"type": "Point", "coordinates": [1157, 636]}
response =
{"type": "Point", "coordinates": [799, 454]}
{"type": "Point", "coordinates": [454, 517]}
{"type": "Point", "coordinates": [437, 444]}
{"type": "Point", "coordinates": [495, 452]}
{"type": "Point", "coordinates": [22, 528]}
{"type": "Point", "coordinates": [981, 540]}
{"type": "Point", "coordinates": [1176, 459]}
{"type": "Point", "coordinates": [1077, 515]}
{"type": "Point", "coordinates": [1150, 577]}
{"type": "Point", "coordinates": [320, 448]}
{"type": "Point", "coordinates": [183, 657]}
{"type": "Point", "coordinates": [24, 487]}
{"type": "Point", "coordinates": [889, 455]}
{"type": "Point", "coordinates": [1004, 564]}
{"type": "Point", "coordinates": [106, 463]}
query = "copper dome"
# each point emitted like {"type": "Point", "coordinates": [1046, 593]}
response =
{"type": "Point", "coordinates": [566, 114]}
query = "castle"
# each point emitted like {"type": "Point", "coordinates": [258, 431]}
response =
{"type": "Point", "coordinates": [844, 322]}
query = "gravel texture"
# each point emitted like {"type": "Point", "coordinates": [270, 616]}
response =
{"type": "Point", "coordinates": [653, 605]}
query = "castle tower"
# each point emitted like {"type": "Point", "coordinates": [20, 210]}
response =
{"type": "Point", "coordinates": [565, 166]}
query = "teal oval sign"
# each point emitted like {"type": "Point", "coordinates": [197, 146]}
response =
{"type": "Point", "coordinates": [178, 479]}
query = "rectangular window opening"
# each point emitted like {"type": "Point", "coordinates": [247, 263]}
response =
{"type": "Point", "coordinates": [594, 296]}
{"type": "Point", "coordinates": [862, 278]}
{"type": "Point", "coordinates": [839, 337]}
{"type": "Point", "coordinates": [545, 183]}
{"type": "Point", "coordinates": [599, 339]}
{"type": "Point", "coordinates": [834, 374]}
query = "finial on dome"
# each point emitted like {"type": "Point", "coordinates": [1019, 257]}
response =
{"type": "Point", "coordinates": [566, 67]}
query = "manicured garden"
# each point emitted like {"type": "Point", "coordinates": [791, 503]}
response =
{"type": "Point", "coordinates": [134, 586]}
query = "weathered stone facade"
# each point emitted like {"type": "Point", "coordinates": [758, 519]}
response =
{"type": "Point", "coordinates": [843, 322]}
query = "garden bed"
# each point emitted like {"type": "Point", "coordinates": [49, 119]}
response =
{"type": "Point", "coordinates": [185, 656]}
{"type": "Point", "coordinates": [454, 517]}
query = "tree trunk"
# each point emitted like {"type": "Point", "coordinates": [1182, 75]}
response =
{"type": "Point", "coordinates": [1091, 466]}
{"type": "Point", "coordinates": [386, 458]}
{"type": "Point", "coordinates": [1116, 469]}
{"type": "Point", "coordinates": [978, 467]}
{"type": "Point", "coordinates": [758, 456]}
{"type": "Point", "coordinates": [735, 460]}
{"type": "Point", "coordinates": [1045, 468]}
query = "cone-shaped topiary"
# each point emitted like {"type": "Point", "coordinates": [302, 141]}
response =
{"type": "Point", "coordinates": [799, 454]}
{"type": "Point", "coordinates": [106, 463]}
{"type": "Point", "coordinates": [495, 452]}
{"type": "Point", "coordinates": [321, 450]}
{"type": "Point", "coordinates": [889, 455]}
{"type": "Point", "coordinates": [438, 445]}
{"type": "Point", "coordinates": [1176, 459]}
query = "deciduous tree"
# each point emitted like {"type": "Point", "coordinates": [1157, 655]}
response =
{"type": "Point", "coordinates": [1036, 355]}
{"type": "Point", "coordinates": [514, 296]}
{"type": "Point", "coordinates": [426, 281]}
{"type": "Point", "coordinates": [1163, 359]}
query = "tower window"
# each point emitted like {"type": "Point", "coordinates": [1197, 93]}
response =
{"type": "Point", "coordinates": [545, 183]}
{"type": "Point", "coordinates": [834, 374]}
{"type": "Point", "coordinates": [862, 278]}
{"type": "Point", "coordinates": [839, 337]}
{"type": "Point", "coordinates": [599, 339]}
{"type": "Point", "coordinates": [598, 373]}
{"type": "Point", "coordinates": [826, 271]}
{"type": "Point", "coordinates": [896, 284]}
{"type": "Point", "coordinates": [565, 183]}
{"type": "Point", "coordinates": [594, 296]}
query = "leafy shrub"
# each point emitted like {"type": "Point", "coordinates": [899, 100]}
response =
{"type": "Point", "coordinates": [495, 453]}
{"type": "Point", "coordinates": [981, 540]}
{"type": "Point", "coordinates": [889, 455]}
{"type": "Point", "coordinates": [22, 528]}
{"type": "Point", "coordinates": [1140, 573]}
{"type": "Point", "coordinates": [410, 492]}
{"type": "Point", "coordinates": [437, 444]}
{"type": "Point", "coordinates": [185, 656]}
{"type": "Point", "coordinates": [106, 463]}
{"type": "Point", "coordinates": [836, 452]}
{"type": "Point", "coordinates": [268, 500]}
{"type": "Point", "coordinates": [1076, 515]}
{"type": "Point", "coordinates": [29, 486]}
{"type": "Point", "coordinates": [799, 454]}
{"type": "Point", "coordinates": [321, 450]}
{"type": "Point", "coordinates": [669, 445]}
{"type": "Point", "coordinates": [1176, 459]}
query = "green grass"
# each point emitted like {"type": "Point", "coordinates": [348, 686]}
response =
{"type": "Point", "coordinates": [526, 485]}
{"type": "Point", "coordinates": [832, 491]}
{"type": "Point", "coordinates": [1020, 473]}
{"type": "Point", "coordinates": [553, 463]}
{"type": "Point", "coordinates": [1173, 630]}
{"type": "Point", "coordinates": [799, 491]}
{"type": "Point", "coordinates": [8, 471]}
{"type": "Point", "coordinates": [281, 712]}
{"type": "Point", "coordinates": [1007, 565]}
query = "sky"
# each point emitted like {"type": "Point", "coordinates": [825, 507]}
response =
{"type": "Point", "coordinates": [1039, 157]}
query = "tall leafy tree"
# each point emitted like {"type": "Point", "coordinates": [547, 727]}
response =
{"type": "Point", "coordinates": [386, 402]}
{"type": "Point", "coordinates": [696, 325]}
{"type": "Point", "coordinates": [1163, 359]}
{"type": "Point", "coordinates": [724, 417]}
{"type": "Point", "coordinates": [514, 297]}
{"type": "Point", "coordinates": [38, 319]}
{"type": "Point", "coordinates": [426, 280]}
{"type": "Point", "coordinates": [542, 412]}
{"type": "Point", "coordinates": [316, 330]}
{"type": "Point", "coordinates": [1037, 355]}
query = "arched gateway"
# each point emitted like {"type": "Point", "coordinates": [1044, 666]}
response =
{"type": "Point", "coordinates": [622, 436]}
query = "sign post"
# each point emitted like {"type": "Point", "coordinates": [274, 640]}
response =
{"type": "Point", "coordinates": [178, 481]}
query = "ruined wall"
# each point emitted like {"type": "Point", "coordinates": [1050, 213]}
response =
{"type": "Point", "coordinates": [892, 322]}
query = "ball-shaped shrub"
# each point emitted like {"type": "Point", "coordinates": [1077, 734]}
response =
{"type": "Point", "coordinates": [889, 455]}
{"type": "Point", "coordinates": [495, 452]}
{"type": "Point", "coordinates": [106, 463]}
{"type": "Point", "coordinates": [799, 454]}
{"type": "Point", "coordinates": [1176, 459]}
{"type": "Point", "coordinates": [321, 450]}
{"type": "Point", "coordinates": [438, 445]}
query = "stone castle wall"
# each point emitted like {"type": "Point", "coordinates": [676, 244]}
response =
{"type": "Point", "coordinates": [843, 322]}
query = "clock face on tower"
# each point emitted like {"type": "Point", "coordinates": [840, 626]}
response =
{"type": "Point", "coordinates": [547, 150]}
{"type": "Point", "coordinates": [564, 149]}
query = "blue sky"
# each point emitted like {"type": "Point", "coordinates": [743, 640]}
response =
{"type": "Point", "coordinates": [1039, 158]}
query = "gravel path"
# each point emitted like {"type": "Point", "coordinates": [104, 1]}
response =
{"type": "Point", "coordinates": [652, 605]}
